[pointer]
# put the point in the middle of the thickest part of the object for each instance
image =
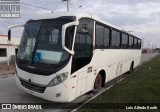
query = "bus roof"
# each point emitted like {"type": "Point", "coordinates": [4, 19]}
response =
{"type": "Point", "coordinates": [59, 14]}
{"type": "Point", "coordinates": [78, 15]}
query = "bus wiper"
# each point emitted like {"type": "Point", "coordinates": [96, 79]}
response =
{"type": "Point", "coordinates": [36, 43]}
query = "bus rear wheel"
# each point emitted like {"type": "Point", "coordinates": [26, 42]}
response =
{"type": "Point", "coordinates": [97, 83]}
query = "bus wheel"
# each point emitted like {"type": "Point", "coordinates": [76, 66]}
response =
{"type": "Point", "coordinates": [97, 83]}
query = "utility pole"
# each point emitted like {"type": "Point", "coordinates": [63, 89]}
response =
{"type": "Point", "coordinates": [151, 45]}
{"type": "Point", "coordinates": [67, 4]}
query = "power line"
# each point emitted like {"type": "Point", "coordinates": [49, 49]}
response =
{"type": "Point", "coordinates": [84, 4]}
{"type": "Point", "coordinates": [36, 6]}
{"type": "Point", "coordinates": [52, 10]}
{"type": "Point", "coordinates": [77, 8]}
{"type": "Point", "coordinates": [58, 4]}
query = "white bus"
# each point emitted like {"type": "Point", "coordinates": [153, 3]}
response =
{"type": "Point", "coordinates": [65, 55]}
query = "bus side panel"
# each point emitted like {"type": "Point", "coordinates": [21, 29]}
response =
{"type": "Point", "coordinates": [81, 84]}
{"type": "Point", "coordinates": [115, 61]}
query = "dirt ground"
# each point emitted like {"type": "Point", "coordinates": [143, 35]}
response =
{"type": "Point", "coordinates": [5, 69]}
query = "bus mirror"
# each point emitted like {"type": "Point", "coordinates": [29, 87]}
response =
{"type": "Point", "coordinates": [9, 39]}
{"type": "Point", "coordinates": [9, 35]}
{"type": "Point", "coordinates": [63, 35]}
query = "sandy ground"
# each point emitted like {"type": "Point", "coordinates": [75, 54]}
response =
{"type": "Point", "coordinates": [5, 69]}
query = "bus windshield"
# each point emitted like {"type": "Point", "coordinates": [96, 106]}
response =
{"type": "Point", "coordinates": [42, 42]}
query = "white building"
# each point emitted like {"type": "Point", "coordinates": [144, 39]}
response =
{"type": "Point", "coordinates": [7, 50]}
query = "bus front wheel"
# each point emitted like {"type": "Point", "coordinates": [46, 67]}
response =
{"type": "Point", "coordinates": [97, 83]}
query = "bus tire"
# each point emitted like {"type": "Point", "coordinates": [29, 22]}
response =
{"type": "Point", "coordinates": [97, 83]}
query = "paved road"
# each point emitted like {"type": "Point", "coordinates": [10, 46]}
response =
{"type": "Point", "coordinates": [9, 93]}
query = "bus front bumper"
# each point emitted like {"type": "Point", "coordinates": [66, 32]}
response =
{"type": "Point", "coordinates": [57, 93]}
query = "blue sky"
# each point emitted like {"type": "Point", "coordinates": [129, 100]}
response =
{"type": "Point", "coordinates": [140, 16]}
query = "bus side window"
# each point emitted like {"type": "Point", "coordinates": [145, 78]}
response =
{"type": "Point", "coordinates": [102, 37]}
{"type": "Point", "coordinates": [115, 41]}
{"type": "Point", "coordinates": [99, 36]}
{"type": "Point", "coordinates": [84, 38]}
{"type": "Point", "coordinates": [131, 44]}
{"type": "Point", "coordinates": [139, 43]}
{"type": "Point", "coordinates": [124, 41]}
{"type": "Point", "coordinates": [135, 43]}
{"type": "Point", "coordinates": [83, 45]}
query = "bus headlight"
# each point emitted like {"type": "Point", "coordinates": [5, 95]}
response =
{"type": "Point", "coordinates": [58, 79]}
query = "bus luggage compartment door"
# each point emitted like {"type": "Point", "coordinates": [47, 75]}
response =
{"type": "Point", "coordinates": [81, 84]}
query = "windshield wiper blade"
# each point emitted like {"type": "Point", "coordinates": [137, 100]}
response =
{"type": "Point", "coordinates": [36, 43]}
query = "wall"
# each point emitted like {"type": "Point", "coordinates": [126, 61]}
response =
{"type": "Point", "coordinates": [10, 48]}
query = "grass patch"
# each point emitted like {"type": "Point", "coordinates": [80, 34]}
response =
{"type": "Point", "coordinates": [143, 86]}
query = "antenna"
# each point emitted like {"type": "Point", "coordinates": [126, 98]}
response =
{"type": "Point", "coordinates": [67, 4]}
